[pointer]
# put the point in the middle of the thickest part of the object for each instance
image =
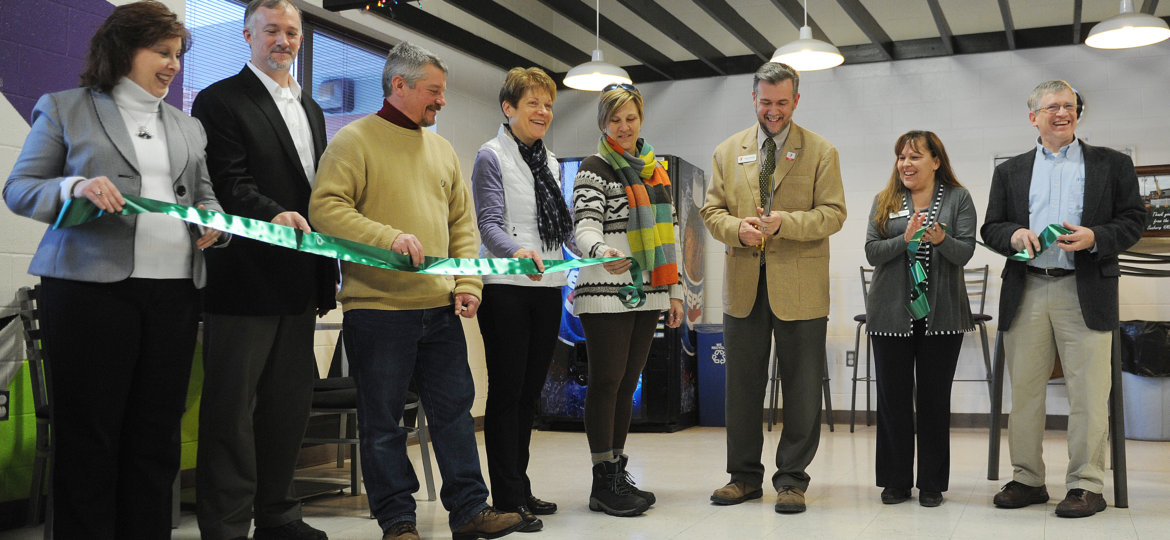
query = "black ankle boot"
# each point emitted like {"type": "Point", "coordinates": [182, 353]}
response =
{"type": "Point", "coordinates": [626, 478]}
{"type": "Point", "coordinates": [611, 495]}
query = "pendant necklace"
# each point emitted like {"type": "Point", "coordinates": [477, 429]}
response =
{"type": "Point", "coordinates": [143, 132]}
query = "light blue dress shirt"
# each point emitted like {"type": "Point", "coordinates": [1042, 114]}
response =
{"type": "Point", "coordinates": [1057, 195]}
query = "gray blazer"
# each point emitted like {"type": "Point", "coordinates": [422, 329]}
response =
{"type": "Point", "coordinates": [80, 132]}
{"type": "Point", "coordinates": [950, 310]}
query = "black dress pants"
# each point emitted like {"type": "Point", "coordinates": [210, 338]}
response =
{"type": "Point", "coordinates": [119, 358]}
{"type": "Point", "coordinates": [916, 368]}
{"type": "Point", "coordinates": [519, 326]}
{"type": "Point", "coordinates": [258, 375]}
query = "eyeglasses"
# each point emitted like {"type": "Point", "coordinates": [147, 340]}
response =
{"type": "Point", "coordinates": [1053, 109]}
{"type": "Point", "coordinates": [623, 86]}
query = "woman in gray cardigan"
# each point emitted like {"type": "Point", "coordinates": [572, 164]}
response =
{"type": "Point", "coordinates": [916, 350]}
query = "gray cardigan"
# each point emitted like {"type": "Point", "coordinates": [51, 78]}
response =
{"type": "Point", "coordinates": [950, 310]}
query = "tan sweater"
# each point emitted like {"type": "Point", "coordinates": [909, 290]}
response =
{"type": "Point", "coordinates": [377, 180]}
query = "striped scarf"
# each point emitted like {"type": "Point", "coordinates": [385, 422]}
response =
{"type": "Point", "coordinates": [650, 228]}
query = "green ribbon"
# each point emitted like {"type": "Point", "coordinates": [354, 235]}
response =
{"type": "Point", "coordinates": [632, 295]}
{"type": "Point", "coordinates": [918, 306]}
{"type": "Point", "coordinates": [1047, 238]}
{"type": "Point", "coordinates": [79, 211]}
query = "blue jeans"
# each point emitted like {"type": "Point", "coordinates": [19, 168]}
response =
{"type": "Point", "coordinates": [385, 349]}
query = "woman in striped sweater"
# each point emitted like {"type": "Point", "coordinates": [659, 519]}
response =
{"type": "Point", "coordinates": [622, 208]}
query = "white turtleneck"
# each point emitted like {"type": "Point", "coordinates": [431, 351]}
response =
{"type": "Point", "coordinates": [162, 246]}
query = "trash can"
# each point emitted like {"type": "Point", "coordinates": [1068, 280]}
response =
{"type": "Point", "coordinates": [1145, 379]}
{"type": "Point", "coordinates": [712, 359]}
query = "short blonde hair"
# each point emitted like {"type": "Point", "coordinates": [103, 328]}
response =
{"type": "Point", "coordinates": [616, 98]}
{"type": "Point", "coordinates": [519, 80]}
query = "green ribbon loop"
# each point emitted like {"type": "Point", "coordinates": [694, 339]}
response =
{"type": "Point", "coordinates": [633, 296]}
{"type": "Point", "coordinates": [80, 211]}
{"type": "Point", "coordinates": [918, 306]}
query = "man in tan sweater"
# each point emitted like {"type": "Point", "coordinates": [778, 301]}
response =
{"type": "Point", "coordinates": [387, 182]}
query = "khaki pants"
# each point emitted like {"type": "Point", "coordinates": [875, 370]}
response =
{"type": "Point", "coordinates": [1050, 321]}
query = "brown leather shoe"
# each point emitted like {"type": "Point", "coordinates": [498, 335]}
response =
{"type": "Point", "coordinates": [735, 493]}
{"type": "Point", "coordinates": [403, 530]}
{"type": "Point", "coordinates": [1017, 495]}
{"type": "Point", "coordinates": [490, 523]}
{"type": "Point", "coordinates": [790, 500]}
{"type": "Point", "coordinates": [1080, 503]}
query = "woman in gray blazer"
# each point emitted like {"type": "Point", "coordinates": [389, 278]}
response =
{"type": "Point", "coordinates": [119, 297]}
{"type": "Point", "coordinates": [915, 353]}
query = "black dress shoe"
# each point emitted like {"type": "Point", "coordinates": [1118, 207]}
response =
{"type": "Point", "coordinates": [895, 495]}
{"type": "Point", "coordinates": [532, 523]}
{"type": "Point", "coordinates": [929, 499]}
{"type": "Point", "coordinates": [541, 508]}
{"type": "Point", "coordinates": [293, 530]}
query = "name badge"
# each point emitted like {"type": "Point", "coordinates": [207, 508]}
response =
{"type": "Point", "coordinates": [745, 159]}
{"type": "Point", "coordinates": [902, 214]}
{"type": "Point", "coordinates": [791, 156]}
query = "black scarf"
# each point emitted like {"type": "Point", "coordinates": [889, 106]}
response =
{"type": "Point", "coordinates": [552, 214]}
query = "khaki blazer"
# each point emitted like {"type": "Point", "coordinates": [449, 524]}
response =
{"type": "Point", "coordinates": [811, 201]}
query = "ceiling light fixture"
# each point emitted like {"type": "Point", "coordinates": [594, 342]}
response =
{"type": "Point", "coordinates": [597, 73]}
{"type": "Point", "coordinates": [806, 53]}
{"type": "Point", "coordinates": [1128, 29]}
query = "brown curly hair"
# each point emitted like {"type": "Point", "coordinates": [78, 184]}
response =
{"type": "Point", "coordinates": [129, 28]}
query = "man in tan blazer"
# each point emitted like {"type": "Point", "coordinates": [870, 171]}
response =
{"type": "Point", "coordinates": [775, 197]}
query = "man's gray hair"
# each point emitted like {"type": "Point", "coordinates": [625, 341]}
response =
{"type": "Point", "coordinates": [408, 61]}
{"type": "Point", "coordinates": [776, 73]}
{"type": "Point", "coordinates": [253, 5]}
{"type": "Point", "coordinates": [1045, 88]}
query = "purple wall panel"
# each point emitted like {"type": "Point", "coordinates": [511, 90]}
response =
{"type": "Point", "coordinates": [34, 61]}
{"type": "Point", "coordinates": [82, 25]}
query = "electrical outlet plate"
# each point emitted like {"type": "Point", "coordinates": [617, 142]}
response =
{"type": "Point", "coordinates": [850, 358]}
{"type": "Point", "coordinates": [5, 404]}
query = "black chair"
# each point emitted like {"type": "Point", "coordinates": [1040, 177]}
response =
{"type": "Point", "coordinates": [866, 279]}
{"type": "Point", "coordinates": [775, 393]}
{"type": "Point", "coordinates": [30, 317]}
{"type": "Point", "coordinates": [336, 396]}
{"type": "Point", "coordinates": [976, 281]}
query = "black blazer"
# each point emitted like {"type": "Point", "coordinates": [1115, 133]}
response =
{"type": "Point", "coordinates": [1113, 209]}
{"type": "Point", "coordinates": [257, 174]}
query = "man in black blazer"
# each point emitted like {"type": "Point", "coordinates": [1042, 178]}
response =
{"type": "Point", "coordinates": [265, 136]}
{"type": "Point", "coordinates": [1065, 298]}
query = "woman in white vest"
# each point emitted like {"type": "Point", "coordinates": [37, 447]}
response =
{"type": "Point", "coordinates": [522, 213]}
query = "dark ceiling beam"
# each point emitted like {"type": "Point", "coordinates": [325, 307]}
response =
{"type": "Point", "coordinates": [869, 26]}
{"type": "Point", "coordinates": [522, 29]}
{"type": "Point", "coordinates": [1149, 6]}
{"type": "Point", "coordinates": [944, 29]}
{"type": "Point", "coordinates": [794, 12]}
{"type": "Point", "coordinates": [583, 16]}
{"type": "Point", "coordinates": [1009, 28]}
{"type": "Point", "coordinates": [440, 30]}
{"type": "Point", "coordinates": [1076, 33]}
{"type": "Point", "coordinates": [737, 26]}
{"type": "Point", "coordinates": [662, 20]}
{"type": "Point", "coordinates": [1026, 38]}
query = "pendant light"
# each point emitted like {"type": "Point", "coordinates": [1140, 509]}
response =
{"type": "Point", "coordinates": [597, 73]}
{"type": "Point", "coordinates": [1128, 29]}
{"type": "Point", "coordinates": [806, 53]}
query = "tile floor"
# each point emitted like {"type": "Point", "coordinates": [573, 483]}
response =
{"type": "Point", "coordinates": [683, 468]}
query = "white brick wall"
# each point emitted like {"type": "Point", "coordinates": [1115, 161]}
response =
{"type": "Point", "coordinates": [976, 104]}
